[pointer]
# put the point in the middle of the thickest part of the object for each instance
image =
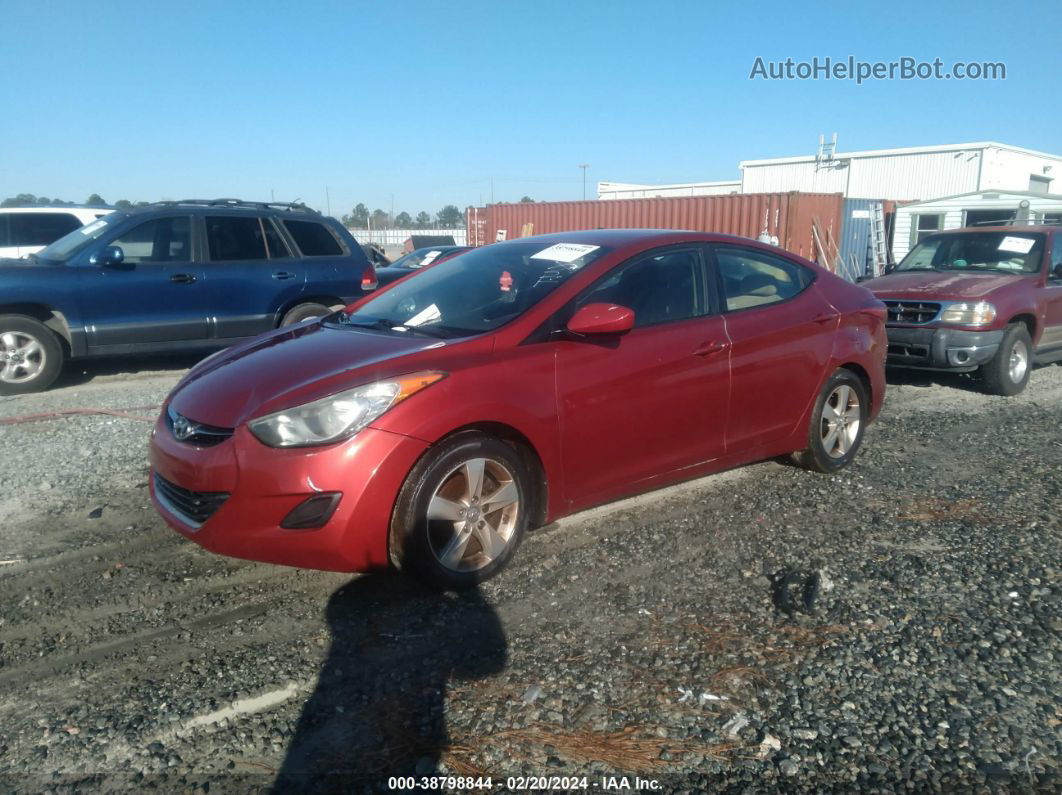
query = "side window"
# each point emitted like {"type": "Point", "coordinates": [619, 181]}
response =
{"type": "Point", "coordinates": [313, 239]}
{"type": "Point", "coordinates": [5, 227]}
{"type": "Point", "coordinates": [40, 229]}
{"type": "Point", "coordinates": [1056, 256]}
{"type": "Point", "coordinates": [158, 240]}
{"type": "Point", "coordinates": [660, 288]}
{"type": "Point", "coordinates": [751, 278]}
{"type": "Point", "coordinates": [274, 242]}
{"type": "Point", "coordinates": [235, 238]}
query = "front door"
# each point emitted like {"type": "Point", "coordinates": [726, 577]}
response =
{"type": "Point", "coordinates": [637, 407]}
{"type": "Point", "coordinates": [1051, 338]}
{"type": "Point", "coordinates": [156, 295]}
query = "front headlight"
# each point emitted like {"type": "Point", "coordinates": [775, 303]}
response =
{"type": "Point", "coordinates": [980, 314]}
{"type": "Point", "coordinates": [340, 416]}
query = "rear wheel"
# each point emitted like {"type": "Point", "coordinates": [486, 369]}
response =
{"type": "Point", "coordinates": [837, 424]}
{"type": "Point", "coordinates": [302, 312]}
{"type": "Point", "coordinates": [30, 355]}
{"type": "Point", "coordinates": [462, 511]}
{"type": "Point", "coordinates": [1008, 371]}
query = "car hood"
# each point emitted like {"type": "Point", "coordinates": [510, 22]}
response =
{"type": "Point", "coordinates": [288, 367]}
{"type": "Point", "coordinates": [940, 285]}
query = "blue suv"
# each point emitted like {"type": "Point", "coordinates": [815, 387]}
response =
{"type": "Point", "coordinates": [173, 276]}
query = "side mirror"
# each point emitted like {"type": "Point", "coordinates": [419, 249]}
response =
{"type": "Point", "coordinates": [889, 267]}
{"type": "Point", "coordinates": [602, 319]}
{"type": "Point", "coordinates": [108, 256]}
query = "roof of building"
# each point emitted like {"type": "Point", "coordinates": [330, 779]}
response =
{"type": "Point", "coordinates": [911, 150]}
{"type": "Point", "coordinates": [987, 193]}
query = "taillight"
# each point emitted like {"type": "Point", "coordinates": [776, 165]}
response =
{"type": "Point", "coordinates": [368, 278]}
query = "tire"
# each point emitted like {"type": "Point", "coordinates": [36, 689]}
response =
{"type": "Point", "coordinates": [302, 312]}
{"type": "Point", "coordinates": [31, 356]}
{"type": "Point", "coordinates": [445, 549]}
{"type": "Point", "coordinates": [830, 448]}
{"type": "Point", "coordinates": [1008, 371]}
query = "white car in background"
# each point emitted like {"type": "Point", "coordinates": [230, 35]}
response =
{"type": "Point", "coordinates": [26, 230]}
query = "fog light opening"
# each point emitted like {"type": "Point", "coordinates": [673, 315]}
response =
{"type": "Point", "coordinates": [962, 357]}
{"type": "Point", "coordinates": [312, 512]}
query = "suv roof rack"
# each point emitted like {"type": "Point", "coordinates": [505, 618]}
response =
{"type": "Point", "coordinates": [291, 206]}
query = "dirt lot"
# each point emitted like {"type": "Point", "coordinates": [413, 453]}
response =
{"type": "Point", "coordinates": [643, 638]}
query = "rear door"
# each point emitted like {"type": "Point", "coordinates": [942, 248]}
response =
{"type": "Point", "coordinates": [30, 232]}
{"type": "Point", "coordinates": [782, 332]}
{"type": "Point", "coordinates": [639, 406]}
{"type": "Point", "coordinates": [156, 295]}
{"type": "Point", "coordinates": [251, 272]}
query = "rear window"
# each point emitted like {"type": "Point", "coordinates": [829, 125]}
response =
{"type": "Point", "coordinates": [5, 236]}
{"type": "Point", "coordinates": [41, 229]}
{"type": "Point", "coordinates": [313, 239]}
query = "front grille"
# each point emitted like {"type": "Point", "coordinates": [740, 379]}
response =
{"type": "Point", "coordinates": [202, 435]}
{"type": "Point", "coordinates": [193, 507]}
{"type": "Point", "coordinates": [912, 312]}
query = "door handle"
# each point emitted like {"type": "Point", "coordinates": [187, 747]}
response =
{"type": "Point", "coordinates": [709, 348]}
{"type": "Point", "coordinates": [282, 275]}
{"type": "Point", "coordinates": [824, 317]}
{"type": "Point", "coordinates": [182, 278]}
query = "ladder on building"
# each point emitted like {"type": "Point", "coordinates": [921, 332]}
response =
{"type": "Point", "coordinates": [878, 237]}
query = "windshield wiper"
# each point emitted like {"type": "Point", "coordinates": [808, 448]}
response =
{"type": "Point", "coordinates": [427, 331]}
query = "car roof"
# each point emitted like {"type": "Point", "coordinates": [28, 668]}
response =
{"type": "Point", "coordinates": [1009, 229]}
{"type": "Point", "coordinates": [239, 206]}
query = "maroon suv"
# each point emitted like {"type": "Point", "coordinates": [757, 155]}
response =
{"type": "Point", "coordinates": [983, 298]}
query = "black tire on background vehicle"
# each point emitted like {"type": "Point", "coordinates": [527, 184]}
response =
{"type": "Point", "coordinates": [31, 356]}
{"type": "Point", "coordinates": [837, 424]}
{"type": "Point", "coordinates": [302, 312]}
{"type": "Point", "coordinates": [462, 511]}
{"type": "Point", "coordinates": [1008, 371]}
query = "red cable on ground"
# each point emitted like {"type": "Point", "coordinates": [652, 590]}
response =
{"type": "Point", "coordinates": [57, 415]}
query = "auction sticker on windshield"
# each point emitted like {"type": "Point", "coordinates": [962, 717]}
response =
{"type": "Point", "coordinates": [1017, 245]}
{"type": "Point", "coordinates": [565, 252]}
{"type": "Point", "coordinates": [88, 230]}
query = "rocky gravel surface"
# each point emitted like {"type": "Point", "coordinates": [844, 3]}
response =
{"type": "Point", "coordinates": [892, 628]}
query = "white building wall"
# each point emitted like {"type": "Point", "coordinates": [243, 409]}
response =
{"type": "Point", "coordinates": [1006, 169]}
{"type": "Point", "coordinates": [914, 176]}
{"type": "Point", "coordinates": [804, 176]}
{"type": "Point", "coordinates": [953, 209]}
{"type": "Point", "coordinates": [628, 190]}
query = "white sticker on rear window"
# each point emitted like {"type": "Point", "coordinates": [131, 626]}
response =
{"type": "Point", "coordinates": [565, 252]}
{"type": "Point", "coordinates": [429, 258]}
{"type": "Point", "coordinates": [1017, 245]}
{"type": "Point", "coordinates": [90, 228]}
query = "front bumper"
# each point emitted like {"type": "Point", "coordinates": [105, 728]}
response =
{"type": "Point", "coordinates": [941, 348]}
{"type": "Point", "coordinates": [264, 484]}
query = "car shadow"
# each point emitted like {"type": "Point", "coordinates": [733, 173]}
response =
{"type": "Point", "coordinates": [970, 382]}
{"type": "Point", "coordinates": [379, 706]}
{"type": "Point", "coordinates": [83, 371]}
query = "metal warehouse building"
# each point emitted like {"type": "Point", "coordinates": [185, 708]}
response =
{"type": "Point", "coordinates": [911, 174]}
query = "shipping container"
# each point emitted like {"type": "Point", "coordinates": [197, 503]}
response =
{"type": "Point", "coordinates": [786, 219]}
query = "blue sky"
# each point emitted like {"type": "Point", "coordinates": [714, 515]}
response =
{"type": "Point", "coordinates": [426, 102]}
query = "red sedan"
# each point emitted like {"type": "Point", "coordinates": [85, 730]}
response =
{"type": "Point", "coordinates": [430, 425]}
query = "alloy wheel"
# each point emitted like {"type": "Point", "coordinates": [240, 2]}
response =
{"type": "Point", "coordinates": [472, 514]}
{"type": "Point", "coordinates": [841, 418]}
{"type": "Point", "coordinates": [22, 357]}
{"type": "Point", "coordinates": [1018, 363]}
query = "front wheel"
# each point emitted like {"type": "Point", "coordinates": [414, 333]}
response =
{"type": "Point", "coordinates": [837, 424]}
{"type": "Point", "coordinates": [1007, 373]}
{"type": "Point", "coordinates": [462, 512]}
{"type": "Point", "coordinates": [31, 357]}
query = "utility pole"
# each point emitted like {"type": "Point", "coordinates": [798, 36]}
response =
{"type": "Point", "coordinates": [492, 190]}
{"type": "Point", "coordinates": [328, 201]}
{"type": "Point", "coordinates": [584, 167]}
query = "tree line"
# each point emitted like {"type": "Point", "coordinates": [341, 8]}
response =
{"type": "Point", "coordinates": [95, 200]}
{"type": "Point", "coordinates": [449, 217]}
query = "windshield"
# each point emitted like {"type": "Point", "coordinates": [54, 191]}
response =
{"type": "Point", "coordinates": [476, 292]}
{"type": "Point", "coordinates": [1005, 252]}
{"type": "Point", "coordinates": [69, 245]}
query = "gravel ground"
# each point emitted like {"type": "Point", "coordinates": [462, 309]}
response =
{"type": "Point", "coordinates": [658, 637]}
